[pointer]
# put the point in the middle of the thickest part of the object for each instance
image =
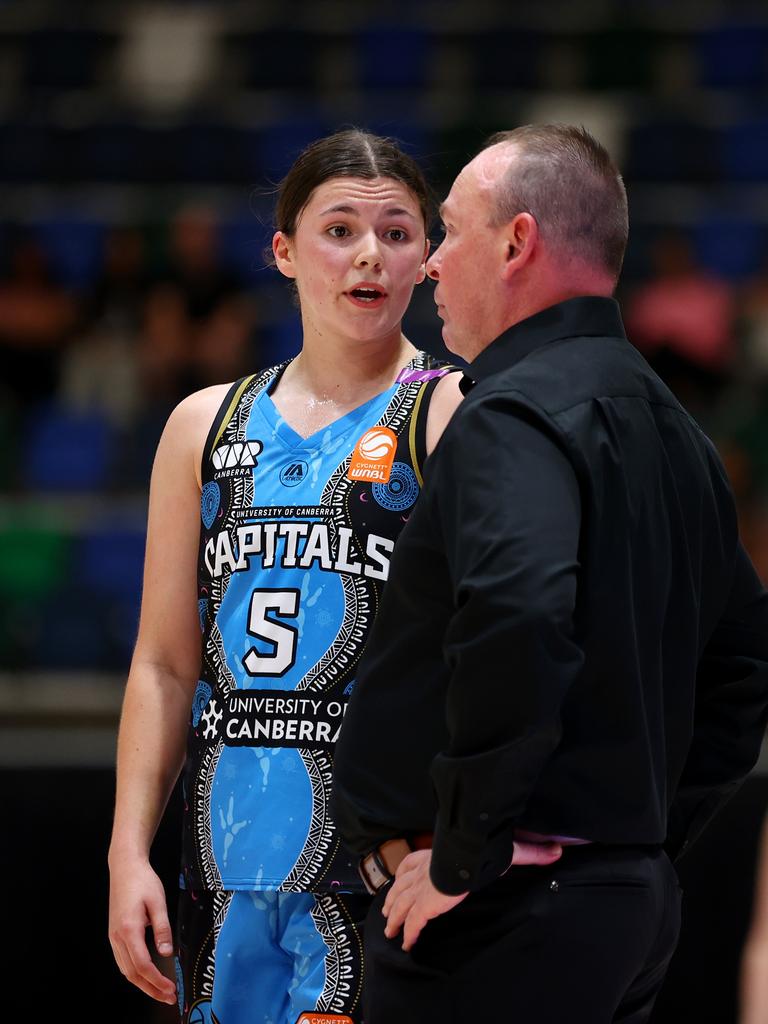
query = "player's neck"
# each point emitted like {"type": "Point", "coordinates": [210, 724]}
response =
{"type": "Point", "coordinates": [321, 385]}
{"type": "Point", "coordinates": [348, 374]}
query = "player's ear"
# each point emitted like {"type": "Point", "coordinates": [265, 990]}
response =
{"type": "Point", "coordinates": [282, 250]}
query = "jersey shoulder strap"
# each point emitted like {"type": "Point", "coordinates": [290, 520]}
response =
{"type": "Point", "coordinates": [417, 431]}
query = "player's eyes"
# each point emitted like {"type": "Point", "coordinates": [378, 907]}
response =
{"type": "Point", "coordinates": [338, 231]}
{"type": "Point", "coordinates": [397, 234]}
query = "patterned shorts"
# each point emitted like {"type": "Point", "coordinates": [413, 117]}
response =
{"type": "Point", "coordinates": [270, 957]}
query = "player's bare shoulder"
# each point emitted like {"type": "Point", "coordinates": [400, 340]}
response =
{"type": "Point", "coordinates": [188, 425]}
{"type": "Point", "coordinates": [446, 398]}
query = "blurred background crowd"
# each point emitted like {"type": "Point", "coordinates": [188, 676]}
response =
{"type": "Point", "coordinates": [139, 149]}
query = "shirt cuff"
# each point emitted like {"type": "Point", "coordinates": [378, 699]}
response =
{"type": "Point", "coordinates": [463, 862]}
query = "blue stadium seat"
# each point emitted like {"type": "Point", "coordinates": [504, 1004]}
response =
{"type": "Point", "coordinates": [671, 149]}
{"type": "Point", "coordinates": [65, 451]}
{"type": "Point", "coordinates": [68, 632]}
{"type": "Point", "coordinates": [74, 249]}
{"type": "Point", "coordinates": [733, 56]}
{"type": "Point", "coordinates": [277, 59]}
{"type": "Point", "coordinates": [29, 151]}
{"type": "Point", "coordinates": [242, 243]}
{"type": "Point", "coordinates": [393, 57]}
{"type": "Point", "coordinates": [281, 341]}
{"type": "Point", "coordinates": [208, 151]}
{"type": "Point", "coordinates": [278, 144]}
{"type": "Point", "coordinates": [744, 147]}
{"type": "Point", "coordinates": [110, 561]}
{"type": "Point", "coordinates": [730, 247]}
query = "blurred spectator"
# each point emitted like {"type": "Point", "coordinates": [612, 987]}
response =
{"type": "Point", "coordinates": [754, 322]}
{"type": "Point", "coordinates": [37, 318]}
{"type": "Point", "coordinates": [199, 322]}
{"type": "Point", "coordinates": [100, 369]}
{"type": "Point", "coordinates": [683, 320]}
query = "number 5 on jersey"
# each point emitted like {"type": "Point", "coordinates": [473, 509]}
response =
{"type": "Point", "coordinates": [279, 635]}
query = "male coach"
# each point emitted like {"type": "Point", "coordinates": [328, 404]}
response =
{"type": "Point", "coordinates": [572, 645]}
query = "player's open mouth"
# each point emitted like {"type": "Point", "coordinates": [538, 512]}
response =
{"type": "Point", "coordinates": [366, 295]}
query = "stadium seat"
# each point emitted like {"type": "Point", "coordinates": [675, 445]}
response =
{"type": "Point", "coordinates": [505, 59]}
{"type": "Point", "coordinates": [393, 57]}
{"type": "Point", "coordinates": [744, 148]}
{"type": "Point", "coordinates": [733, 56]}
{"type": "Point", "coordinates": [35, 556]}
{"type": "Point", "coordinates": [671, 149]}
{"type": "Point", "coordinates": [74, 249]}
{"type": "Point", "coordinates": [110, 561]}
{"type": "Point", "coordinates": [730, 247]}
{"type": "Point", "coordinates": [64, 451]}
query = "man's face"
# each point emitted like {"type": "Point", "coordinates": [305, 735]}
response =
{"type": "Point", "coordinates": [469, 262]}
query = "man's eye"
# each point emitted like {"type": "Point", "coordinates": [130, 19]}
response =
{"type": "Point", "coordinates": [397, 234]}
{"type": "Point", "coordinates": [338, 231]}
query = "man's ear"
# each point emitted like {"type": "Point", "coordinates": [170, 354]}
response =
{"type": "Point", "coordinates": [520, 238]}
{"type": "Point", "coordinates": [282, 250]}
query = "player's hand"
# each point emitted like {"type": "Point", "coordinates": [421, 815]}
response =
{"type": "Point", "coordinates": [136, 902]}
{"type": "Point", "coordinates": [413, 900]}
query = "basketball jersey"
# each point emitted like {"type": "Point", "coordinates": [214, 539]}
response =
{"type": "Point", "coordinates": [295, 545]}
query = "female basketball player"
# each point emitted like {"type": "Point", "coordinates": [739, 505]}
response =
{"type": "Point", "coordinates": [275, 503]}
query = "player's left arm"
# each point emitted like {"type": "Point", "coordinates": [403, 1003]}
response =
{"type": "Point", "coordinates": [445, 399]}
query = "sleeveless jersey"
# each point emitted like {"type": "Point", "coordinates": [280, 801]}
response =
{"type": "Point", "coordinates": [295, 544]}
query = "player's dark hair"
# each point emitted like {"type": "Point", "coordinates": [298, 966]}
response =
{"type": "Point", "coordinates": [351, 153]}
{"type": "Point", "coordinates": [568, 182]}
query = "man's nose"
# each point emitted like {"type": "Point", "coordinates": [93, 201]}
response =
{"type": "Point", "coordinates": [433, 266]}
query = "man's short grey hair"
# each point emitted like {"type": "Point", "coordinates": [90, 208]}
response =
{"type": "Point", "coordinates": [568, 182]}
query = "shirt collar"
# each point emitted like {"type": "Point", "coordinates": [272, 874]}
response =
{"type": "Point", "coordinates": [582, 317]}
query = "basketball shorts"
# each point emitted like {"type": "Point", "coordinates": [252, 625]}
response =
{"type": "Point", "coordinates": [270, 957]}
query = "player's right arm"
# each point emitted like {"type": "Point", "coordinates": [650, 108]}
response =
{"type": "Point", "coordinates": [159, 693]}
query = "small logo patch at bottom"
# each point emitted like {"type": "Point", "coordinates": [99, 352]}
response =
{"type": "Point", "coordinates": [310, 1017]}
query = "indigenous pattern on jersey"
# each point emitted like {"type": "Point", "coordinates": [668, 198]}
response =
{"type": "Point", "coordinates": [270, 956]}
{"type": "Point", "coordinates": [295, 545]}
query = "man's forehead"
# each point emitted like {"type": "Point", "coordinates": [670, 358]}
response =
{"type": "Point", "coordinates": [481, 176]}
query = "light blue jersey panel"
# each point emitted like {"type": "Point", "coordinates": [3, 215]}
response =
{"type": "Point", "coordinates": [262, 798]}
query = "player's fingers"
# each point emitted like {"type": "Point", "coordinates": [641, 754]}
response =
{"type": "Point", "coordinates": [161, 928]}
{"type": "Point", "coordinates": [143, 973]}
{"type": "Point", "coordinates": [536, 853]}
{"type": "Point", "coordinates": [128, 970]}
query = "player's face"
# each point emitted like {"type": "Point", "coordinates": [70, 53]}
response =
{"type": "Point", "coordinates": [469, 261]}
{"type": "Point", "coordinates": [356, 254]}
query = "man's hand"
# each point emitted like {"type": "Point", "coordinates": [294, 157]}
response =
{"type": "Point", "coordinates": [413, 900]}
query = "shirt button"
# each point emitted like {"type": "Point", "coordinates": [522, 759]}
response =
{"type": "Point", "coordinates": [554, 887]}
{"type": "Point", "coordinates": [463, 873]}
{"type": "Point", "coordinates": [484, 816]}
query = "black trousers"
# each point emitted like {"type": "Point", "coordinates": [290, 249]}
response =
{"type": "Point", "coordinates": [586, 940]}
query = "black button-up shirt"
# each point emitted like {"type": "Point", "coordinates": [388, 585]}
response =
{"type": "Point", "coordinates": [572, 639]}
